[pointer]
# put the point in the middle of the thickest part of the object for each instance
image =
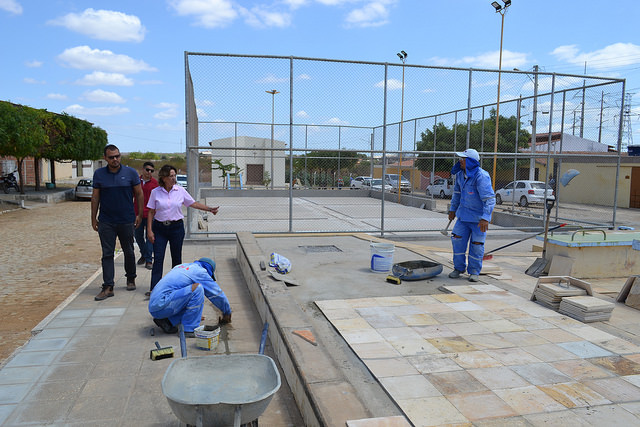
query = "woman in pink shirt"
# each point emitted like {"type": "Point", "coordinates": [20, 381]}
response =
{"type": "Point", "coordinates": [164, 222]}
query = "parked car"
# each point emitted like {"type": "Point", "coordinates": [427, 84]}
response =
{"type": "Point", "coordinates": [376, 185]}
{"type": "Point", "coordinates": [84, 189]}
{"type": "Point", "coordinates": [441, 187]}
{"type": "Point", "coordinates": [361, 182]}
{"type": "Point", "coordinates": [181, 180]}
{"type": "Point", "coordinates": [524, 192]}
{"type": "Point", "coordinates": [392, 180]}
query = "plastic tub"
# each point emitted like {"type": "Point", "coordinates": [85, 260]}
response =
{"type": "Point", "coordinates": [382, 257]}
{"type": "Point", "coordinates": [207, 337]}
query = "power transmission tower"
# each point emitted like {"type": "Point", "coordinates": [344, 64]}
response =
{"type": "Point", "coordinates": [627, 134]}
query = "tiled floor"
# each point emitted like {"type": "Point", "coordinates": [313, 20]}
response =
{"type": "Point", "coordinates": [482, 354]}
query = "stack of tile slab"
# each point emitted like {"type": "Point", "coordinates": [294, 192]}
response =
{"type": "Point", "coordinates": [586, 308]}
{"type": "Point", "coordinates": [551, 294]}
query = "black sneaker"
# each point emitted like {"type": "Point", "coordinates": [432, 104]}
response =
{"type": "Point", "coordinates": [141, 260]}
{"type": "Point", "coordinates": [165, 325]}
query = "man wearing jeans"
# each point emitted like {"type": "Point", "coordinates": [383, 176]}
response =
{"type": "Point", "coordinates": [472, 203]}
{"type": "Point", "coordinates": [114, 187]}
{"type": "Point", "coordinates": [148, 183]}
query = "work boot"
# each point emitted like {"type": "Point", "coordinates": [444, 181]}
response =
{"type": "Point", "coordinates": [148, 265]}
{"type": "Point", "coordinates": [455, 274]}
{"type": "Point", "coordinates": [473, 278]}
{"type": "Point", "coordinates": [131, 284]}
{"type": "Point", "coordinates": [141, 260]}
{"type": "Point", "coordinates": [165, 325]}
{"type": "Point", "coordinates": [106, 292]}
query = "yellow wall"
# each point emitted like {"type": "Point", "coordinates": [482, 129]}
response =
{"type": "Point", "coordinates": [595, 185]}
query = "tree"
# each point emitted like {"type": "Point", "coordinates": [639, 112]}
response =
{"type": "Point", "coordinates": [22, 134]}
{"type": "Point", "coordinates": [444, 141]}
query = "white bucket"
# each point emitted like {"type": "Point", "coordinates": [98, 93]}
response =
{"type": "Point", "coordinates": [382, 257]}
{"type": "Point", "coordinates": [207, 337]}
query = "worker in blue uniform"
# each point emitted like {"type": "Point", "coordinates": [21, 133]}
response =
{"type": "Point", "coordinates": [179, 297]}
{"type": "Point", "coordinates": [472, 203]}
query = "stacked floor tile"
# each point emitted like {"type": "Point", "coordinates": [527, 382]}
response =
{"type": "Point", "coordinates": [550, 294]}
{"type": "Point", "coordinates": [586, 308]}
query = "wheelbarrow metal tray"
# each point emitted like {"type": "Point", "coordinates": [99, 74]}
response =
{"type": "Point", "coordinates": [216, 385]}
{"type": "Point", "coordinates": [416, 270]}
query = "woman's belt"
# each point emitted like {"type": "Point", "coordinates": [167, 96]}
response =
{"type": "Point", "coordinates": [168, 222]}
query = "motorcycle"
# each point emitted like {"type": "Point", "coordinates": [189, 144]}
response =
{"type": "Point", "coordinates": [9, 181]}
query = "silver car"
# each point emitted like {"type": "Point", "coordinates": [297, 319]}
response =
{"type": "Point", "coordinates": [524, 193]}
{"type": "Point", "coordinates": [84, 189]}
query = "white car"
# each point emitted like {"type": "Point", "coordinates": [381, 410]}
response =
{"type": "Point", "coordinates": [376, 185]}
{"type": "Point", "coordinates": [181, 180]}
{"type": "Point", "coordinates": [361, 182]}
{"type": "Point", "coordinates": [441, 187]}
{"type": "Point", "coordinates": [84, 189]}
{"type": "Point", "coordinates": [524, 193]}
{"type": "Point", "coordinates": [392, 180]}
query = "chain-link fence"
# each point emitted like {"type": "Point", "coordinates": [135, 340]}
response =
{"type": "Point", "coordinates": [288, 129]}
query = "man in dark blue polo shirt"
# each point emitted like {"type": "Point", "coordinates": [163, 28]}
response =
{"type": "Point", "coordinates": [114, 187]}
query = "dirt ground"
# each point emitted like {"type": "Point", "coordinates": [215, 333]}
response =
{"type": "Point", "coordinates": [47, 252]}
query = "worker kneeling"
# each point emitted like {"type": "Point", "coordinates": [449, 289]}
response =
{"type": "Point", "coordinates": [179, 297]}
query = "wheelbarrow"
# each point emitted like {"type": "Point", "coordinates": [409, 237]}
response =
{"type": "Point", "coordinates": [220, 390]}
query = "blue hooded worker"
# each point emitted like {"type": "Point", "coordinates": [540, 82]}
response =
{"type": "Point", "coordinates": [179, 297]}
{"type": "Point", "coordinates": [472, 203]}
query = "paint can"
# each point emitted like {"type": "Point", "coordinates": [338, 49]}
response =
{"type": "Point", "coordinates": [207, 336]}
{"type": "Point", "coordinates": [382, 257]}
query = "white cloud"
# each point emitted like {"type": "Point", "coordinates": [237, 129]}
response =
{"type": "Point", "coordinates": [207, 13]}
{"type": "Point", "coordinates": [166, 105]}
{"type": "Point", "coordinates": [618, 54]}
{"type": "Point", "coordinates": [100, 95]}
{"type": "Point", "coordinates": [392, 84]}
{"type": "Point", "coordinates": [304, 77]}
{"type": "Point", "coordinates": [260, 17]}
{"type": "Point", "coordinates": [11, 6]}
{"type": "Point", "coordinates": [57, 96]}
{"type": "Point", "coordinates": [336, 121]}
{"type": "Point", "coordinates": [33, 64]}
{"type": "Point", "coordinates": [294, 4]}
{"type": "Point", "coordinates": [85, 58]}
{"type": "Point", "coordinates": [170, 111]}
{"type": "Point", "coordinates": [486, 60]}
{"type": "Point", "coordinates": [33, 81]}
{"type": "Point", "coordinates": [204, 103]}
{"type": "Point", "coordinates": [104, 25]}
{"type": "Point", "coordinates": [79, 110]}
{"type": "Point", "coordinates": [302, 114]}
{"type": "Point", "coordinates": [273, 79]}
{"type": "Point", "coordinates": [201, 112]}
{"type": "Point", "coordinates": [172, 127]}
{"type": "Point", "coordinates": [98, 78]}
{"type": "Point", "coordinates": [373, 14]}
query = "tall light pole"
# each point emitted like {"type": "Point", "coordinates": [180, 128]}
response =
{"type": "Point", "coordinates": [273, 106]}
{"type": "Point", "coordinates": [501, 10]}
{"type": "Point", "coordinates": [403, 57]}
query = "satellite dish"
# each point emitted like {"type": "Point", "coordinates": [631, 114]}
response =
{"type": "Point", "coordinates": [568, 176]}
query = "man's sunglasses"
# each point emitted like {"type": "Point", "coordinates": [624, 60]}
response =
{"type": "Point", "coordinates": [117, 156]}
{"type": "Point", "coordinates": [149, 170]}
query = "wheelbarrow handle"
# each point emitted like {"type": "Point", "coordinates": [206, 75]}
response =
{"type": "Point", "coordinates": [263, 338]}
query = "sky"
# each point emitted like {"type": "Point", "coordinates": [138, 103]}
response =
{"type": "Point", "coordinates": [121, 64]}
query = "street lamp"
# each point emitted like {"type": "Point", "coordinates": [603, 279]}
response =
{"type": "Point", "coordinates": [273, 104]}
{"type": "Point", "coordinates": [501, 10]}
{"type": "Point", "coordinates": [403, 57]}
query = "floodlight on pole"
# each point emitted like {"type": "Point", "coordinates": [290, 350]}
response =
{"type": "Point", "coordinates": [501, 10]}
{"type": "Point", "coordinates": [273, 104]}
{"type": "Point", "coordinates": [403, 57]}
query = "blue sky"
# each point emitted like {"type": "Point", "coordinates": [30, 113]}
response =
{"type": "Point", "coordinates": [120, 64]}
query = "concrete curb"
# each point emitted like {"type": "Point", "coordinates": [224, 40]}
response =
{"type": "Point", "coordinates": [324, 397]}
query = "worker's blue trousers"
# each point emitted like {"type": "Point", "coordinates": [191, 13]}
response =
{"type": "Point", "coordinates": [181, 306]}
{"type": "Point", "coordinates": [463, 235]}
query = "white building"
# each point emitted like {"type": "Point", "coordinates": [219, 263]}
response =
{"type": "Point", "coordinates": [253, 156]}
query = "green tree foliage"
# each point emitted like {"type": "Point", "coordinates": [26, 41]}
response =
{"type": "Point", "coordinates": [28, 132]}
{"type": "Point", "coordinates": [326, 160]}
{"type": "Point", "coordinates": [444, 141]}
{"type": "Point", "coordinates": [21, 134]}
